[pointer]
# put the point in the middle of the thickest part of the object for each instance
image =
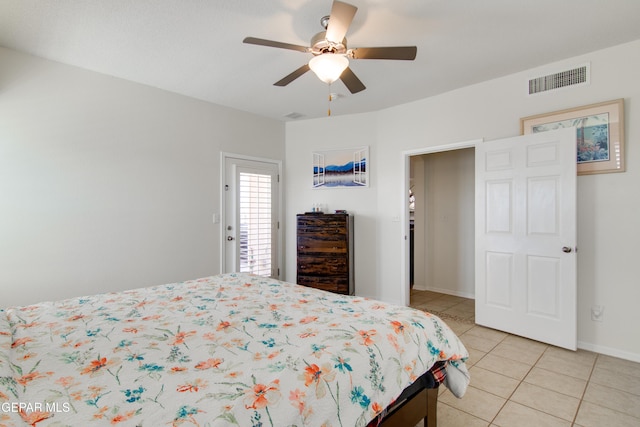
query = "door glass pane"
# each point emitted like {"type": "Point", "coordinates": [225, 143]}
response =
{"type": "Point", "coordinates": [255, 224]}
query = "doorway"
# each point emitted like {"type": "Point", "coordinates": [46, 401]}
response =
{"type": "Point", "coordinates": [441, 223]}
{"type": "Point", "coordinates": [443, 185]}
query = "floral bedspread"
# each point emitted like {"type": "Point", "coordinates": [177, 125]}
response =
{"type": "Point", "coordinates": [228, 350]}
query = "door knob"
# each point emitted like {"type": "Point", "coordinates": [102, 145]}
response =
{"type": "Point", "coordinates": [229, 238]}
{"type": "Point", "coordinates": [566, 249]}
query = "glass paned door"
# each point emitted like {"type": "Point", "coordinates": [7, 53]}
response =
{"type": "Point", "coordinates": [251, 222]}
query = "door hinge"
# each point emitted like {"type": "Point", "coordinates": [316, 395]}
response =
{"type": "Point", "coordinates": [278, 177]}
{"type": "Point", "coordinates": [226, 187]}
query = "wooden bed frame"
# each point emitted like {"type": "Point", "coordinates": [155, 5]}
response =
{"type": "Point", "coordinates": [421, 406]}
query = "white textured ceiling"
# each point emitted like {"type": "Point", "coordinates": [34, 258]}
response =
{"type": "Point", "coordinates": [194, 47]}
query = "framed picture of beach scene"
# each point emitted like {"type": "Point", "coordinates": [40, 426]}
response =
{"type": "Point", "coordinates": [343, 168]}
{"type": "Point", "coordinates": [599, 134]}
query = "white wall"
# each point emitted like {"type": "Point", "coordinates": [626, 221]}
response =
{"type": "Point", "coordinates": [608, 227]}
{"type": "Point", "coordinates": [304, 138]}
{"type": "Point", "coordinates": [108, 185]}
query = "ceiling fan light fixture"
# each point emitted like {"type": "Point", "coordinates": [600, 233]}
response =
{"type": "Point", "coordinates": [329, 66]}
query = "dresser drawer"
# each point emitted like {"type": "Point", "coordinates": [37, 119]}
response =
{"type": "Point", "coordinates": [331, 230]}
{"type": "Point", "coordinates": [322, 221]}
{"type": "Point", "coordinates": [333, 284]}
{"type": "Point", "coordinates": [322, 265]}
{"type": "Point", "coordinates": [321, 244]}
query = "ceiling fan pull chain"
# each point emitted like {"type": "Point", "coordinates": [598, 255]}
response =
{"type": "Point", "coordinates": [329, 101]}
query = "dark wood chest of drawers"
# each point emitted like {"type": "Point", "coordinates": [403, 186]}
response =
{"type": "Point", "coordinates": [325, 252]}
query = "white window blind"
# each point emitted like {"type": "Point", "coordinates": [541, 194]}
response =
{"type": "Point", "coordinates": [255, 224]}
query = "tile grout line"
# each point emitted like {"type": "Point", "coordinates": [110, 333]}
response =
{"type": "Point", "coordinates": [581, 398]}
{"type": "Point", "coordinates": [593, 367]}
{"type": "Point", "coordinates": [514, 390]}
{"type": "Point", "coordinates": [508, 399]}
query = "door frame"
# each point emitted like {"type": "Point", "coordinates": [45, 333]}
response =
{"type": "Point", "coordinates": [224, 156]}
{"type": "Point", "coordinates": [405, 292]}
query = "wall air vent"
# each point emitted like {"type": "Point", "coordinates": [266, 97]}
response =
{"type": "Point", "coordinates": [576, 76]}
{"type": "Point", "coordinates": [294, 115]}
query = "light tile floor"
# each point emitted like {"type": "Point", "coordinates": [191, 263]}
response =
{"type": "Point", "coordinates": [519, 382]}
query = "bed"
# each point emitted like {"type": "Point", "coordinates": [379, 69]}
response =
{"type": "Point", "coordinates": [227, 350]}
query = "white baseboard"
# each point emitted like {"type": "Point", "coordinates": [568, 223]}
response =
{"type": "Point", "coordinates": [613, 352]}
{"type": "Point", "coordinates": [448, 292]}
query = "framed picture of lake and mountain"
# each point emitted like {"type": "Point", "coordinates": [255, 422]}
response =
{"type": "Point", "coordinates": [599, 134]}
{"type": "Point", "coordinates": [343, 168]}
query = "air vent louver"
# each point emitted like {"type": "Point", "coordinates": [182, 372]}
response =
{"type": "Point", "coordinates": [294, 115]}
{"type": "Point", "coordinates": [576, 76]}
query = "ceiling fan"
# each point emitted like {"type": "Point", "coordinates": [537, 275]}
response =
{"type": "Point", "coordinates": [330, 53]}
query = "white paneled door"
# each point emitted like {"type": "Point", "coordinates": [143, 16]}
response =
{"type": "Point", "coordinates": [526, 236]}
{"type": "Point", "coordinates": [251, 221]}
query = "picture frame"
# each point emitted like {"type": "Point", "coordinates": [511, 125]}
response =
{"type": "Point", "coordinates": [341, 168]}
{"type": "Point", "coordinates": [600, 134]}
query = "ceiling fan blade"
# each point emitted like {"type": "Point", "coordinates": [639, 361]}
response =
{"type": "Point", "coordinates": [271, 43]}
{"type": "Point", "coordinates": [291, 77]}
{"type": "Point", "coordinates": [351, 81]}
{"type": "Point", "coordinates": [397, 52]}
{"type": "Point", "coordinates": [341, 16]}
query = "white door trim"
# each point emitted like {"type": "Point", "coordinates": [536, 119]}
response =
{"type": "Point", "coordinates": [404, 253]}
{"type": "Point", "coordinates": [280, 241]}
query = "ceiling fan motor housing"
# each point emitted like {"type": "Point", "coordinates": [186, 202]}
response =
{"type": "Point", "coordinates": [320, 45]}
